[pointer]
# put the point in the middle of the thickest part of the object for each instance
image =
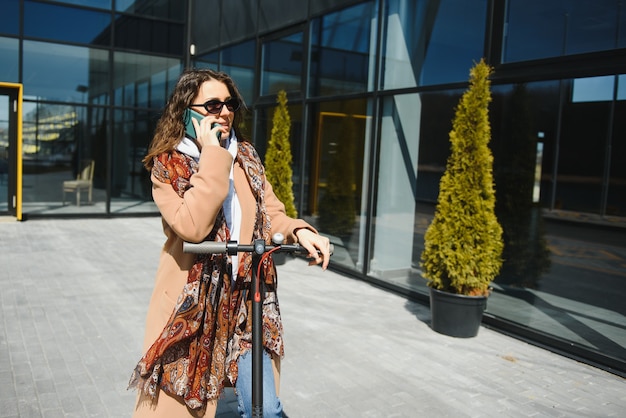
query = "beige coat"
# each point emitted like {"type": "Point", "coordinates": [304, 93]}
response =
{"type": "Point", "coordinates": [191, 219]}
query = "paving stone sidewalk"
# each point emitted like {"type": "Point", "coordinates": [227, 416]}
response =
{"type": "Point", "coordinates": [73, 297]}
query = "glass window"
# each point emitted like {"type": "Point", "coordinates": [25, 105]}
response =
{"type": "Point", "coordinates": [593, 89]}
{"type": "Point", "coordinates": [143, 79]}
{"type": "Point", "coordinates": [165, 9]}
{"type": "Point", "coordinates": [63, 72]}
{"type": "Point", "coordinates": [69, 24]}
{"type": "Point", "coordinates": [435, 114]}
{"type": "Point", "coordinates": [162, 83]}
{"type": "Point", "coordinates": [9, 59]}
{"type": "Point", "coordinates": [396, 185]}
{"type": "Point", "coordinates": [10, 17]}
{"type": "Point", "coordinates": [58, 144]}
{"type": "Point", "coordinates": [100, 4]}
{"type": "Point", "coordinates": [342, 51]}
{"type": "Point", "coordinates": [616, 202]}
{"type": "Point", "coordinates": [239, 62]}
{"type": "Point", "coordinates": [279, 14]}
{"type": "Point", "coordinates": [431, 42]}
{"type": "Point", "coordinates": [149, 35]}
{"type": "Point", "coordinates": [538, 29]}
{"type": "Point", "coordinates": [131, 136]}
{"type": "Point", "coordinates": [264, 120]}
{"type": "Point", "coordinates": [581, 157]}
{"type": "Point", "coordinates": [282, 65]}
{"type": "Point", "coordinates": [210, 60]}
{"type": "Point", "coordinates": [341, 130]}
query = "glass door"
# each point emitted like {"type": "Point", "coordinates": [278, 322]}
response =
{"type": "Point", "coordinates": [10, 198]}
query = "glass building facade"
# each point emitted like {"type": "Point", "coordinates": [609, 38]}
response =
{"type": "Point", "coordinates": [372, 88]}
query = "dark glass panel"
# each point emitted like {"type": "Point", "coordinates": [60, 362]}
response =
{"type": "Point", "coordinates": [582, 145]}
{"type": "Point", "coordinates": [238, 22]}
{"type": "Point", "coordinates": [100, 4]}
{"type": "Point", "coordinates": [210, 60]}
{"type": "Point", "coordinates": [132, 133]}
{"type": "Point", "coordinates": [435, 116]}
{"type": "Point", "coordinates": [341, 130]}
{"type": "Point", "coordinates": [66, 73]}
{"type": "Point", "coordinates": [162, 83]}
{"type": "Point", "coordinates": [148, 35]}
{"type": "Point", "coordinates": [616, 201]}
{"type": "Point", "coordinates": [431, 42]}
{"type": "Point", "coordinates": [69, 24]}
{"type": "Point", "coordinates": [538, 29]}
{"type": "Point", "coordinates": [282, 64]}
{"type": "Point", "coordinates": [10, 17]}
{"type": "Point", "coordinates": [239, 62]}
{"type": "Point", "coordinates": [9, 59]}
{"type": "Point", "coordinates": [141, 80]}
{"type": "Point", "coordinates": [278, 14]}
{"type": "Point", "coordinates": [264, 131]}
{"type": "Point", "coordinates": [164, 9]}
{"type": "Point", "coordinates": [340, 51]}
{"type": "Point", "coordinates": [621, 42]}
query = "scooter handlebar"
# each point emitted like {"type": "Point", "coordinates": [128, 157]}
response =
{"type": "Point", "coordinates": [212, 247]}
{"type": "Point", "coordinates": [205, 247]}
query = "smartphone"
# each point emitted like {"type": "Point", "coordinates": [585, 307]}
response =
{"type": "Point", "coordinates": [190, 114]}
{"type": "Point", "coordinates": [190, 130]}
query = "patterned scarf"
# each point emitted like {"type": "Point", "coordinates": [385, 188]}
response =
{"type": "Point", "coordinates": [210, 327]}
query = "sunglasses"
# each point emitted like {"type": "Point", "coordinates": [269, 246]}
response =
{"type": "Point", "coordinates": [214, 107]}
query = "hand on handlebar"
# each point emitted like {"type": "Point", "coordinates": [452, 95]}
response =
{"type": "Point", "coordinates": [317, 245]}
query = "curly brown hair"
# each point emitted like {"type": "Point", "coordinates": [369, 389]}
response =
{"type": "Point", "coordinates": [170, 128]}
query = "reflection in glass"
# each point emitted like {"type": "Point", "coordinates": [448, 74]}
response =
{"type": "Point", "coordinates": [539, 29]}
{"type": "Point", "coordinates": [149, 35]}
{"type": "Point", "coordinates": [131, 137]}
{"type": "Point", "coordinates": [616, 196]}
{"type": "Point", "coordinates": [69, 24]}
{"type": "Point", "coordinates": [526, 255]}
{"type": "Point", "coordinates": [431, 42]}
{"type": "Point", "coordinates": [210, 60]}
{"type": "Point", "coordinates": [4, 153]}
{"type": "Point", "coordinates": [582, 154]}
{"type": "Point", "coordinates": [9, 53]}
{"type": "Point", "coordinates": [337, 175]}
{"type": "Point", "coordinates": [392, 254]}
{"type": "Point", "coordinates": [593, 89]}
{"type": "Point", "coordinates": [57, 142]}
{"type": "Point", "coordinates": [238, 61]}
{"type": "Point", "coordinates": [100, 4]}
{"type": "Point", "coordinates": [264, 130]}
{"type": "Point", "coordinates": [55, 72]}
{"type": "Point", "coordinates": [282, 64]}
{"type": "Point", "coordinates": [10, 17]}
{"type": "Point", "coordinates": [165, 9]}
{"type": "Point", "coordinates": [342, 50]}
{"type": "Point", "coordinates": [142, 79]}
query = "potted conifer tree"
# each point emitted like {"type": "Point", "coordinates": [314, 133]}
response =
{"type": "Point", "coordinates": [463, 244]}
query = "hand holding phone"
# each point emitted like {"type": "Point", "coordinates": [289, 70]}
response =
{"type": "Point", "coordinates": [190, 129]}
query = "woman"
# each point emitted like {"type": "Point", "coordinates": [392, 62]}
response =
{"type": "Point", "coordinates": [198, 332]}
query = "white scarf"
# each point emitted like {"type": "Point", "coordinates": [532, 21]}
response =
{"type": "Point", "coordinates": [232, 208]}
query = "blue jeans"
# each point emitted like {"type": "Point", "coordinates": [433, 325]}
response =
{"type": "Point", "coordinates": [272, 407]}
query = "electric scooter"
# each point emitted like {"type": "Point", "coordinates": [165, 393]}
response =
{"type": "Point", "coordinates": [259, 249]}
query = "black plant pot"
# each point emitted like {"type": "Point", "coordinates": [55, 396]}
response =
{"type": "Point", "coordinates": [456, 315]}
